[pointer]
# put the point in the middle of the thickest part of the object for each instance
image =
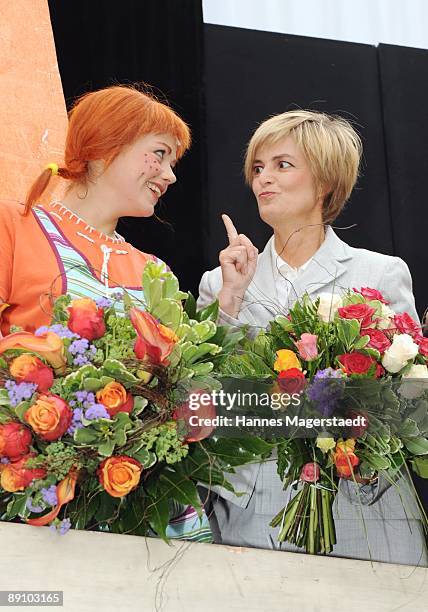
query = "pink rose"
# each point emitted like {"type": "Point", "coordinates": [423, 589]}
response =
{"type": "Point", "coordinates": [371, 294]}
{"type": "Point", "coordinates": [310, 472]}
{"type": "Point", "coordinates": [406, 325]}
{"type": "Point", "coordinates": [378, 340]}
{"type": "Point", "coordinates": [307, 347]}
{"type": "Point", "coordinates": [423, 346]}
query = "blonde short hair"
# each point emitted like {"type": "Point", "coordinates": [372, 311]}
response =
{"type": "Point", "coordinates": [330, 145]}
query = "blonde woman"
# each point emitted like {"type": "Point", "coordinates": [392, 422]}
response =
{"type": "Point", "coordinates": [302, 167]}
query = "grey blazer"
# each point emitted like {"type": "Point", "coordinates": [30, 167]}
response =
{"type": "Point", "coordinates": [388, 511]}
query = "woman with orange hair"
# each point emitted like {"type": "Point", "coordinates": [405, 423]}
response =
{"type": "Point", "coordinates": [122, 145]}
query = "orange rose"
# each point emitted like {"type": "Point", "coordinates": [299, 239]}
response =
{"type": "Point", "coordinates": [119, 475]}
{"type": "Point", "coordinates": [15, 440]}
{"type": "Point", "coordinates": [86, 319]}
{"type": "Point", "coordinates": [16, 477]}
{"type": "Point", "coordinates": [155, 342]}
{"type": "Point", "coordinates": [49, 346]}
{"type": "Point", "coordinates": [29, 368]}
{"type": "Point", "coordinates": [49, 417]}
{"type": "Point", "coordinates": [115, 398]}
{"type": "Point", "coordinates": [344, 458]}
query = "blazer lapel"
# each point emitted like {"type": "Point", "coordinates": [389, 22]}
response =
{"type": "Point", "coordinates": [326, 268]}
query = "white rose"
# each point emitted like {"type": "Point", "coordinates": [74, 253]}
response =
{"type": "Point", "coordinates": [329, 303]}
{"type": "Point", "coordinates": [385, 317]}
{"type": "Point", "coordinates": [402, 349]}
{"type": "Point", "coordinates": [415, 388]}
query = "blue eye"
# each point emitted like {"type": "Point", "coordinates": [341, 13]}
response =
{"type": "Point", "coordinates": [160, 153]}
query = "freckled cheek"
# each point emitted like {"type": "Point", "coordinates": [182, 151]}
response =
{"type": "Point", "coordinates": [151, 165]}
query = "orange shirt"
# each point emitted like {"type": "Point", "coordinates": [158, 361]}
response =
{"type": "Point", "coordinates": [29, 272]}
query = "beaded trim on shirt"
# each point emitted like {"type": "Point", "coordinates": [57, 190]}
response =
{"type": "Point", "coordinates": [71, 215]}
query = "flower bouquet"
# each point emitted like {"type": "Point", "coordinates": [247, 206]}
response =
{"type": "Point", "coordinates": [94, 418]}
{"type": "Point", "coordinates": [360, 373]}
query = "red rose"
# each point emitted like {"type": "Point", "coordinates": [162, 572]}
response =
{"type": "Point", "coordinates": [378, 340]}
{"type": "Point", "coordinates": [356, 363]}
{"type": "Point", "coordinates": [371, 294]}
{"type": "Point", "coordinates": [86, 319]}
{"type": "Point", "coordinates": [406, 325]}
{"type": "Point", "coordinates": [197, 413]}
{"type": "Point", "coordinates": [380, 370]}
{"type": "Point", "coordinates": [291, 381]}
{"type": "Point", "coordinates": [15, 440]}
{"type": "Point", "coordinates": [361, 312]}
{"type": "Point", "coordinates": [29, 368]}
{"type": "Point", "coordinates": [423, 346]}
{"type": "Point", "coordinates": [310, 472]}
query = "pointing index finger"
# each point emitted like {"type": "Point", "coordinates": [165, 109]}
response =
{"type": "Point", "coordinates": [232, 234]}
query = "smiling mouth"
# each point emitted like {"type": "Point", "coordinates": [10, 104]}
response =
{"type": "Point", "coordinates": [154, 189]}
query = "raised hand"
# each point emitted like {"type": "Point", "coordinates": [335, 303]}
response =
{"type": "Point", "coordinates": [238, 263]}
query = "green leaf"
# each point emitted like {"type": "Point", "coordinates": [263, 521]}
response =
{"type": "Point", "coordinates": [139, 404]}
{"type": "Point", "coordinates": [181, 488]}
{"type": "Point", "coordinates": [420, 466]}
{"type": "Point", "coordinates": [92, 384]}
{"type": "Point", "coordinates": [107, 506]}
{"type": "Point", "coordinates": [157, 512]}
{"type": "Point", "coordinates": [417, 446]}
{"type": "Point", "coordinates": [348, 330]}
{"type": "Point", "coordinates": [106, 448]}
{"type": "Point", "coordinates": [4, 398]}
{"type": "Point", "coordinates": [86, 436]}
{"type": "Point", "coordinates": [209, 313]}
{"type": "Point", "coordinates": [361, 342]}
{"type": "Point", "coordinates": [21, 409]}
{"type": "Point", "coordinates": [190, 306]}
{"type": "Point", "coordinates": [17, 506]}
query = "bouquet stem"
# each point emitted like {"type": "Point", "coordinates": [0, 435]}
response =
{"type": "Point", "coordinates": [307, 520]}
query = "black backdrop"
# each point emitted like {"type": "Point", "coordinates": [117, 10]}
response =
{"type": "Point", "coordinates": [100, 43]}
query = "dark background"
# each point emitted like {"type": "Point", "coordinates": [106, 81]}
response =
{"type": "Point", "coordinates": [224, 81]}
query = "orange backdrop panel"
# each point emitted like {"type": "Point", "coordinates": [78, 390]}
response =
{"type": "Point", "coordinates": [33, 118]}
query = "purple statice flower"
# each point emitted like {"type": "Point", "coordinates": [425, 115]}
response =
{"type": "Point", "coordinates": [4, 460]}
{"type": "Point", "coordinates": [33, 508]}
{"type": "Point", "coordinates": [82, 351]}
{"type": "Point", "coordinates": [96, 411]}
{"type": "Point", "coordinates": [326, 389]}
{"type": "Point", "coordinates": [76, 421]}
{"type": "Point", "coordinates": [61, 330]}
{"type": "Point", "coordinates": [64, 526]}
{"type": "Point", "coordinates": [49, 495]}
{"type": "Point", "coordinates": [19, 392]}
{"type": "Point", "coordinates": [103, 302]}
{"type": "Point", "coordinates": [117, 296]}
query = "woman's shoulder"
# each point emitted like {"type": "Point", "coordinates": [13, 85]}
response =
{"type": "Point", "coordinates": [11, 208]}
{"type": "Point", "coordinates": [12, 217]}
{"type": "Point", "coordinates": [373, 258]}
